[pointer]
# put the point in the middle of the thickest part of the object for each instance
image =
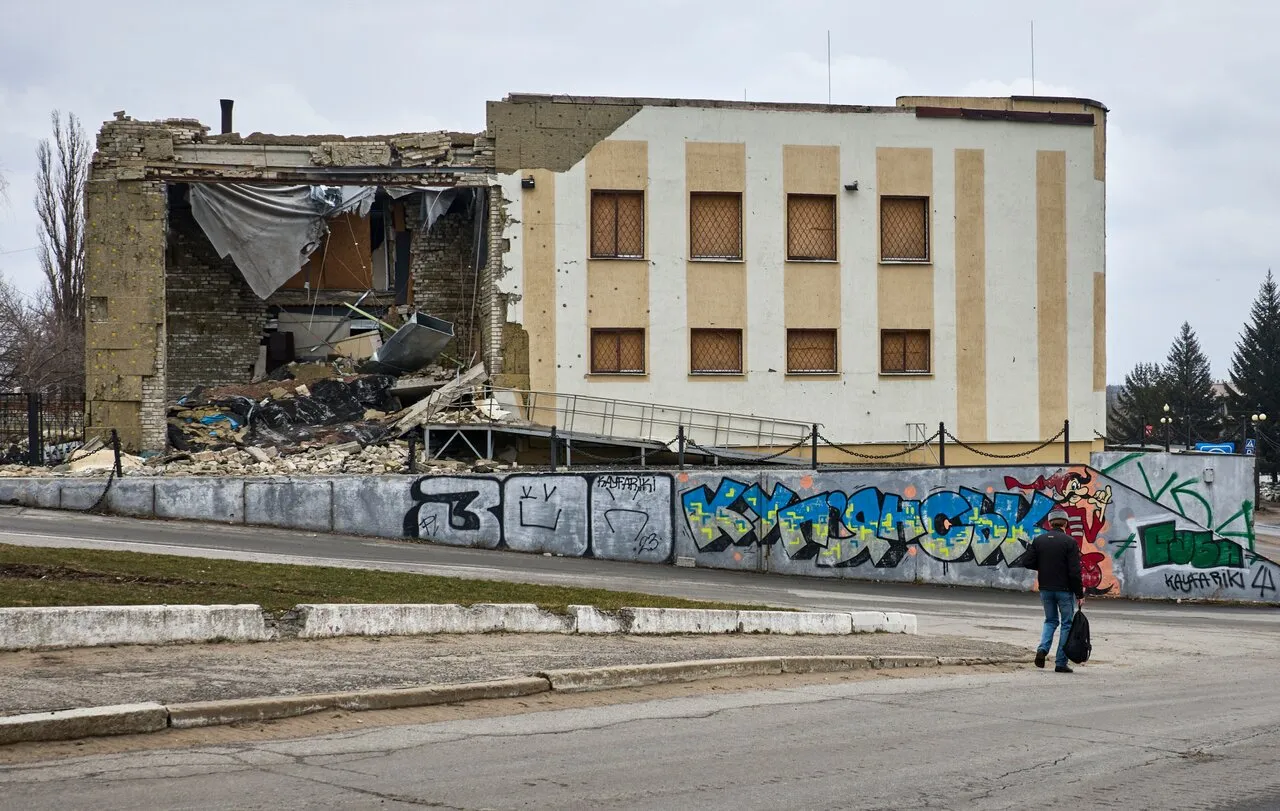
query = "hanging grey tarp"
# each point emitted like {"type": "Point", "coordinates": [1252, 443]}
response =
{"type": "Point", "coordinates": [269, 231]}
{"type": "Point", "coordinates": [435, 200]}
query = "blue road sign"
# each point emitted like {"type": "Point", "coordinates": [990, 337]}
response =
{"type": "Point", "coordinates": [1250, 447]}
{"type": "Point", "coordinates": [1216, 447]}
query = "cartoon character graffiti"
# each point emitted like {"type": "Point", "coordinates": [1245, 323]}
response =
{"type": "Point", "coordinates": [1086, 511]}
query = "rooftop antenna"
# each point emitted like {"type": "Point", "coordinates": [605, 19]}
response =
{"type": "Point", "coordinates": [829, 66]}
{"type": "Point", "coordinates": [1033, 57]}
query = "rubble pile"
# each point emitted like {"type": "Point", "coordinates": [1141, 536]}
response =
{"type": "Point", "coordinates": [307, 419]}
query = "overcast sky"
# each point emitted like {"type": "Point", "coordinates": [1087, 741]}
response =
{"type": "Point", "coordinates": [1193, 168]}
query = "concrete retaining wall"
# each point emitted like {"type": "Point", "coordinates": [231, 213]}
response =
{"type": "Point", "coordinates": [956, 526]}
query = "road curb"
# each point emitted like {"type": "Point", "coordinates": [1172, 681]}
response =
{"type": "Point", "coordinates": [235, 711]}
{"type": "Point", "coordinates": [129, 719]}
{"type": "Point", "coordinates": [83, 722]}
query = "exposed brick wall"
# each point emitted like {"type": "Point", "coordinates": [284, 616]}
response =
{"type": "Point", "coordinates": [444, 277]}
{"type": "Point", "coordinates": [214, 321]}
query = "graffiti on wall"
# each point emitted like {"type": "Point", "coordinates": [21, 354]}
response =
{"type": "Point", "coordinates": [867, 525]}
{"type": "Point", "coordinates": [1072, 491]}
{"type": "Point", "coordinates": [619, 517]}
{"type": "Point", "coordinates": [1188, 495]}
{"type": "Point", "coordinates": [962, 526]}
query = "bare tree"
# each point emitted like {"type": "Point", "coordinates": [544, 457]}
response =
{"type": "Point", "coordinates": [61, 172]}
{"type": "Point", "coordinates": [38, 353]}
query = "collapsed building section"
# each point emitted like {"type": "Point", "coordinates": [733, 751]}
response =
{"type": "Point", "coordinates": [215, 259]}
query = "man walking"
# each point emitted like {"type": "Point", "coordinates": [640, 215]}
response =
{"type": "Point", "coordinates": [1056, 557]}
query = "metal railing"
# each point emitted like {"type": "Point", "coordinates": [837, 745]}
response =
{"type": "Point", "coordinates": [631, 419]}
{"type": "Point", "coordinates": [38, 429]}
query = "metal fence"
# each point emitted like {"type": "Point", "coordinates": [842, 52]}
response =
{"type": "Point", "coordinates": [39, 429]}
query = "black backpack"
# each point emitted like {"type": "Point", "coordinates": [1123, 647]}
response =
{"type": "Point", "coordinates": [1078, 647]}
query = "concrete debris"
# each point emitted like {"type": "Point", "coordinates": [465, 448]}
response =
{"type": "Point", "coordinates": [334, 423]}
{"type": "Point", "coordinates": [103, 461]}
{"type": "Point", "coordinates": [422, 412]}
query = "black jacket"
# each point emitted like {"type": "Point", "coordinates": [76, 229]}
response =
{"type": "Point", "coordinates": [1056, 556]}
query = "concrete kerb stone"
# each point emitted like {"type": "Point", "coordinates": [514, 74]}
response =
{"type": "Point", "coordinates": [92, 626]}
{"type": "Point", "coordinates": [587, 619]}
{"type": "Point", "coordinates": [679, 621]}
{"type": "Point", "coordinates": [794, 622]}
{"type": "Point", "coordinates": [85, 722]}
{"type": "Point", "coordinates": [152, 717]}
{"type": "Point", "coordinates": [235, 711]}
{"type": "Point", "coordinates": [869, 622]}
{"type": "Point", "coordinates": [610, 678]}
{"type": "Point", "coordinates": [376, 619]}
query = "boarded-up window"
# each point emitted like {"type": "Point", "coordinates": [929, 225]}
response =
{"type": "Point", "coordinates": [904, 229]}
{"type": "Point", "coordinates": [617, 351]}
{"type": "Point", "coordinates": [715, 225]}
{"type": "Point", "coordinates": [617, 224]}
{"type": "Point", "coordinates": [811, 226]}
{"type": "Point", "coordinates": [811, 351]}
{"type": "Point", "coordinates": [343, 261]}
{"type": "Point", "coordinates": [904, 351]}
{"type": "Point", "coordinates": [715, 351]}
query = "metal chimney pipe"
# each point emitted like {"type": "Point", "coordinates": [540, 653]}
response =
{"type": "Point", "coordinates": [226, 116]}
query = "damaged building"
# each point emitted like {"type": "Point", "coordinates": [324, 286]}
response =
{"type": "Point", "coordinates": [214, 258]}
{"type": "Point", "coordinates": [629, 266]}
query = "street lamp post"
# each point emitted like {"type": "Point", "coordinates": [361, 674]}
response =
{"type": "Point", "coordinates": [1257, 419]}
{"type": "Point", "coordinates": [1167, 422]}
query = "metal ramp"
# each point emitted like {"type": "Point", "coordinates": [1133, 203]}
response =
{"type": "Point", "coordinates": [643, 428]}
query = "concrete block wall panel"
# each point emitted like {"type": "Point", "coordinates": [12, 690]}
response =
{"type": "Point", "coordinates": [81, 495]}
{"type": "Point", "coordinates": [631, 516]}
{"type": "Point", "coordinates": [708, 527]}
{"type": "Point", "coordinates": [372, 505]}
{"type": "Point", "coordinates": [132, 497]}
{"type": "Point", "coordinates": [220, 500]}
{"type": "Point", "coordinates": [545, 513]}
{"type": "Point", "coordinates": [456, 510]}
{"type": "Point", "coordinates": [1213, 490]}
{"type": "Point", "coordinates": [292, 503]}
{"type": "Point", "coordinates": [39, 493]}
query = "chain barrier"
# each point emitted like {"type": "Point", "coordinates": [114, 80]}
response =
{"type": "Point", "coordinates": [689, 443]}
{"type": "Point", "coordinates": [1019, 455]}
{"type": "Point", "coordinates": [894, 455]}
{"type": "Point", "coordinates": [576, 451]}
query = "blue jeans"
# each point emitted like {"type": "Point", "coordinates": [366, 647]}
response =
{"type": "Point", "coordinates": [1058, 605]}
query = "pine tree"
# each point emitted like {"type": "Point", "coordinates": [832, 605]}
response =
{"type": "Point", "coordinates": [1196, 410]}
{"type": "Point", "coordinates": [1255, 370]}
{"type": "Point", "coordinates": [1138, 405]}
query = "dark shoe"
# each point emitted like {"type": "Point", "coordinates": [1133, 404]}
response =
{"type": "Point", "coordinates": [1040, 657]}
{"type": "Point", "coordinates": [1063, 669]}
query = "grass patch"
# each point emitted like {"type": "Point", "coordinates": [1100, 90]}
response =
{"type": "Point", "coordinates": [38, 576]}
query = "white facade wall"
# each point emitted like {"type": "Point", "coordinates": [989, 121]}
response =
{"type": "Point", "coordinates": [863, 405]}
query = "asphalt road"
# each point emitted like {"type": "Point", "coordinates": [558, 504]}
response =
{"type": "Point", "coordinates": [1175, 711]}
{"type": "Point", "coordinates": [1199, 736]}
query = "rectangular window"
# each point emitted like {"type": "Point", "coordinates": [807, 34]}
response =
{"type": "Point", "coordinates": [811, 351]}
{"type": "Point", "coordinates": [715, 351]}
{"type": "Point", "coordinates": [617, 351]}
{"type": "Point", "coordinates": [904, 351]}
{"type": "Point", "coordinates": [617, 224]}
{"type": "Point", "coordinates": [811, 226]}
{"type": "Point", "coordinates": [904, 229]}
{"type": "Point", "coordinates": [715, 225]}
